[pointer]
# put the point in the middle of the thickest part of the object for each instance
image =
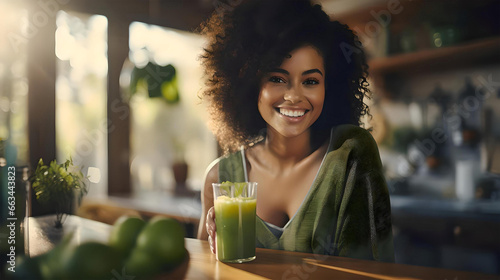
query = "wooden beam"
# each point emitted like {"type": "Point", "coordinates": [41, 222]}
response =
{"type": "Point", "coordinates": [118, 111]}
{"type": "Point", "coordinates": [179, 14]}
{"type": "Point", "coordinates": [41, 72]}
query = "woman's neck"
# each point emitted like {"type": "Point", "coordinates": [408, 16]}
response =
{"type": "Point", "coordinates": [288, 150]}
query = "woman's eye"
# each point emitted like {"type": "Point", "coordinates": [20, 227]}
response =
{"type": "Point", "coordinates": [311, 82]}
{"type": "Point", "coordinates": [275, 79]}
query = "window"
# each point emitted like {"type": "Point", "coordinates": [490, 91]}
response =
{"type": "Point", "coordinates": [82, 69]}
{"type": "Point", "coordinates": [13, 83]}
{"type": "Point", "coordinates": [164, 131]}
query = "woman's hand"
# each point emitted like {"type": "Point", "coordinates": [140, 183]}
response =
{"type": "Point", "coordinates": [211, 228]}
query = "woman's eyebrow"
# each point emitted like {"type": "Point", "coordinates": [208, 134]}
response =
{"type": "Point", "coordinates": [279, 70]}
{"type": "Point", "coordinates": [315, 70]}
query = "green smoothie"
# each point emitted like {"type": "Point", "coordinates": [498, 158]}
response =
{"type": "Point", "coordinates": [235, 221]}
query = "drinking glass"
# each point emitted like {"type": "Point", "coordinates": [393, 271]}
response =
{"type": "Point", "coordinates": [235, 206]}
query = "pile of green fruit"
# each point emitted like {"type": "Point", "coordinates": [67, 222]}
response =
{"type": "Point", "coordinates": [136, 250]}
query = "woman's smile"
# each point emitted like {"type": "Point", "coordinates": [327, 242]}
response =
{"type": "Point", "coordinates": [291, 112]}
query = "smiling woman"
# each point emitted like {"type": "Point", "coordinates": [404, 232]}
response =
{"type": "Point", "coordinates": [291, 97]}
{"type": "Point", "coordinates": [286, 104]}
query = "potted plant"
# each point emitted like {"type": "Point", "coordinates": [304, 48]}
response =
{"type": "Point", "coordinates": [58, 186]}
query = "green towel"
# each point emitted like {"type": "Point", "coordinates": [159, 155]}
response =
{"type": "Point", "coordinates": [346, 212]}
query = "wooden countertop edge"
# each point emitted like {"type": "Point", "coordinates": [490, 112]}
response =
{"type": "Point", "coordinates": [356, 267]}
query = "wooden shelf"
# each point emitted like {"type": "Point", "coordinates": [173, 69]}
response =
{"type": "Point", "coordinates": [431, 60]}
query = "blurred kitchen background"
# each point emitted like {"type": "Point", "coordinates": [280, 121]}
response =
{"type": "Point", "coordinates": [114, 85]}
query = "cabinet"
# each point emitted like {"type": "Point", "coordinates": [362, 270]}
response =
{"type": "Point", "coordinates": [449, 234]}
{"type": "Point", "coordinates": [463, 55]}
{"type": "Point", "coordinates": [405, 39]}
{"type": "Point", "coordinates": [386, 71]}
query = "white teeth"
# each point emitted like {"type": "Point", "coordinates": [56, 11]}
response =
{"type": "Point", "coordinates": [292, 113]}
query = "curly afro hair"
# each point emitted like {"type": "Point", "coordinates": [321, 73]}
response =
{"type": "Point", "coordinates": [247, 41]}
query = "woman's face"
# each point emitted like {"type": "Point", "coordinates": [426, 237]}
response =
{"type": "Point", "coordinates": [291, 96]}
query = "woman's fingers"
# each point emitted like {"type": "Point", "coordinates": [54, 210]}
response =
{"type": "Point", "coordinates": [211, 228]}
{"type": "Point", "coordinates": [210, 224]}
{"type": "Point", "coordinates": [211, 241]}
{"type": "Point", "coordinates": [212, 247]}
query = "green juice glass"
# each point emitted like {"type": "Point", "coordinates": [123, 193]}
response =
{"type": "Point", "coordinates": [235, 211]}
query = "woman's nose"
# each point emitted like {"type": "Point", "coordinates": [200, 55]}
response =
{"type": "Point", "coordinates": [293, 95]}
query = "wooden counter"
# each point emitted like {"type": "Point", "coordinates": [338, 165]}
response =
{"type": "Point", "coordinates": [276, 264]}
{"type": "Point", "coordinates": [269, 264]}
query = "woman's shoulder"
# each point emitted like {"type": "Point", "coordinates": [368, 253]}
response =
{"type": "Point", "coordinates": [212, 172]}
{"type": "Point", "coordinates": [353, 137]}
{"type": "Point", "coordinates": [359, 144]}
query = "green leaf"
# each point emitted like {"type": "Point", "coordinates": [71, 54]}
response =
{"type": "Point", "coordinates": [170, 91]}
{"type": "Point", "coordinates": [158, 81]}
{"type": "Point", "coordinates": [55, 184]}
{"type": "Point", "coordinates": [239, 187]}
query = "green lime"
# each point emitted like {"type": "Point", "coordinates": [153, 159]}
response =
{"type": "Point", "coordinates": [142, 264]}
{"type": "Point", "coordinates": [92, 260]}
{"type": "Point", "coordinates": [124, 233]}
{"type": "Point", "coordinates": [163, 238]}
